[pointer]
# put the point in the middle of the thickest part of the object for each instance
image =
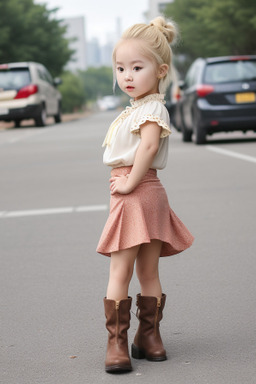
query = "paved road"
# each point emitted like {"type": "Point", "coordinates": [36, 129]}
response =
{"type": "Point", "coordinates": [53, 205]}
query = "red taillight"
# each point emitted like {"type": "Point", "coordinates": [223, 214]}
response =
{"type": "Point", "coordinates": [27, 91]}
{"type": "Point", "coordinates": [177, 96]}
{"type": "Point", "coordinates": [204, 90]}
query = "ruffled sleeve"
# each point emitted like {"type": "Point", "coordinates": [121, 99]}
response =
{"type": "Point", "coordinates": [153, 111]}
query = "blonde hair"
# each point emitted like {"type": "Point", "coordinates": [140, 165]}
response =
{"type": "Point", "coordinates": [157, 37]}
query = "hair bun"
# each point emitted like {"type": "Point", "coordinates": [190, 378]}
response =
{"type": "Point", "coordinates": [168, 28]}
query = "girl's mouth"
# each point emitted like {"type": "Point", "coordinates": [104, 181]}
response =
{"type": "Point", "coordinates": [129, 88]}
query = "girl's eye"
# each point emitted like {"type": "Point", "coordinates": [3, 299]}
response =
{"type": "Point", "coordinates": [120, 69]}
{"type": "Point", "coordinates": [137, 69]}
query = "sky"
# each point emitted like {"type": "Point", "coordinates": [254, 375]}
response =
{"type": "Point", "coordinates": [100, 15]}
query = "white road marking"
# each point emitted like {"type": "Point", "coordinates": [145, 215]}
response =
{"type": "Point", "coordinates": [226, 152]}
{"type": "Point", "coordinates": [53, 211]}
{"type": "Point", "coordinates": [23, 135]}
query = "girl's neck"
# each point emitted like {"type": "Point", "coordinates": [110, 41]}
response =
{"type": "Point", "coordinates": [145, 95]}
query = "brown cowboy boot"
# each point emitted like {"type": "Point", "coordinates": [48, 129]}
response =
{"type": "Point", "coordinates": [118, 322]}
{"type": "Point", "coordinates": [147, 342]}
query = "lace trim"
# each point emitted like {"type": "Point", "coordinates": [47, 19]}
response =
{"type": "Point", "coordinates": [114, 127]}
{"type": "Point", "coordinates": [166, 131]}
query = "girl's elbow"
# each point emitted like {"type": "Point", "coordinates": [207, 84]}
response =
{"type": "Point", "coordinates": [153, 149]}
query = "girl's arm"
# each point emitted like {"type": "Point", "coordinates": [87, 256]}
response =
{"type": "Point", "coordinates": [146, 152]}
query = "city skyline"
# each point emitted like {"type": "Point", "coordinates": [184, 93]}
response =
{"type": "Point", "coordinates": [90, 47]}
{"type": "Point", "coordinates": [100, 16]}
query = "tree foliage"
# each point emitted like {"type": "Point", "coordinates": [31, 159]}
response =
{"type": "Point", "coordinates": [85, 86]}
{"type": "Point", "coordinates": [72, 91]}
{"type": "Point", "coordinates": [216, 27]}
{"type": "Point", "coordinates": [30, 32]}
{"type": "Point", "coordinates": [97, 82]}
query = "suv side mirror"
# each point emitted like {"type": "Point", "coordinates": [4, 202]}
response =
{"type": "Point", "coordinates": [57, 81]}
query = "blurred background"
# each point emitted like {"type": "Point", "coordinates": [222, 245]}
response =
{"type": "Point", "coordinates": [55, 190]}
{"type": "Point", "coordinates": [74, 40]}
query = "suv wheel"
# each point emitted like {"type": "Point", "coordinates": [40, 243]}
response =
{"type": "Point", "coordinates": [186, 134]}
{"type": "Point", "coordinates": [199, 132]}
{"type": "Point", "coordinates": [41, 118]}
{"type": "Point", "coordinates": [57, 117]}
{"type": "Point", "coordinates": [200, 135]}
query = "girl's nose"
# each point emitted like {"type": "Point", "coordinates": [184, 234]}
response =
{"type": "Point", "coordinates": [128, 76]}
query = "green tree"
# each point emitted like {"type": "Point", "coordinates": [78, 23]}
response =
{"type": "Point", "coordinates": [73, 92]}
{"type": "Point", "coordinates": [30, 32]}
{"type": "Point", "coordinates": [216, 27]}
{"type": "Point", "coordinates": [97, 82]}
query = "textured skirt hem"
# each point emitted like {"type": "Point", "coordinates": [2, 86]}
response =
{"type": "Point", "coordinates": [141, 216]}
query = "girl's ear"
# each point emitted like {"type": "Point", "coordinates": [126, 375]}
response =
{"type": "Point", "coordinates": [162, 71]}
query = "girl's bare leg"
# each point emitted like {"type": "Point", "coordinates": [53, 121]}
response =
{"type": "Point", "coordinates": [120, 273]}
{"type": "Point", "coordinates": [147, 268]}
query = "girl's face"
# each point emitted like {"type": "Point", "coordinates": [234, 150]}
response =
{"type": "Point", "coordinates": [136, 74]}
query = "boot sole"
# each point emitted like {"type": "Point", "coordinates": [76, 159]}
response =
{"type": "Point", "coordinates": [118, 368]}
{"type": "Point", "coordinates": [140, 354]}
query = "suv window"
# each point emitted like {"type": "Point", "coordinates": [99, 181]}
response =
{"type": "Point", "coordinates": [191, 77]}
{"type": "Point", "coordinates": [14, 78]}
{"type": "Point", "coordinates": [231, 71]}
{"type": "Point", "coordinates": [44, 75]}
{"type": "Point", "coordinates": [48, 77]}
{"type": "Point", "coordinates": [41, 74]}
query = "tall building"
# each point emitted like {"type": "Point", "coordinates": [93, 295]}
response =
{"type": "Point", "coordinates": [101, 54]}
{"type": "Point", "coordinates": [106, 54]}
{"type": "Point", "coordinates": [156, 8]}
{"type": "Point", "coordinates": [76, 31]}
{"type": "Point", "coordinates": [93, 53]}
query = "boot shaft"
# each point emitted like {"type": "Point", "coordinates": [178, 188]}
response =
{"type": "Point", "coordinates": [150, 311]}
{"type": "Point", "coordinates": [118, 316]}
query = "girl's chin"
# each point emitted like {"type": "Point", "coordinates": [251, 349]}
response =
{"type": "Point", "coordinates": [131, 93]}
{"type": "Point", "coordinates": [129, 90]}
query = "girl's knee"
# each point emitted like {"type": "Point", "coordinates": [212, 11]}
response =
{"type": "Point", "coordinates": [121, 274]}
{"type": "Point", "coordinates": [146, 275]}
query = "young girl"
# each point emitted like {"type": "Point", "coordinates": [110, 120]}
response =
{"type": "Point", "coordinates": [141, 226]}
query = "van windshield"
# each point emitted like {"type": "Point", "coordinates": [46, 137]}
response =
{"type": "Point", "coordinates": [15, 78]}
{"type": "Point", "coordinates": [231, 71]}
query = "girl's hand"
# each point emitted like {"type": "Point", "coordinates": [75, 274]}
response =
{"type": "Point", "coordinates": [118, 184]}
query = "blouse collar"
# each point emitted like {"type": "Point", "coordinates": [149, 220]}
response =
{"type": "Point", "coordinates": [114, 127]}
{"type": "Point", "coordinates": [152, 97]}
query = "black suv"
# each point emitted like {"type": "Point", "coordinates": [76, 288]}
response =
{"type": "Point", "coordinates": [219, 94]}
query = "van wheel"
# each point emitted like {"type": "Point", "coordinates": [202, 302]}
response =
{"type": "Point", "coordinates": [41, 118]}
{"type": "Point", "coordinates": [57, 118]}
{"type": "Point", "coordinates": [17, 123]}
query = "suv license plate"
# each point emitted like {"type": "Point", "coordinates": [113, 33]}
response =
{"type": "Point", "coordinates": [4, 111]}
{"type": "Point", "coordinates": [245, 97]}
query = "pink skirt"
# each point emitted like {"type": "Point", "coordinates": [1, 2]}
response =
{"type": "Point", "coordinates": [141, 216]}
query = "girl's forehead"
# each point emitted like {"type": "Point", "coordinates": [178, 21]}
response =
{"type": "Point", "coordinates": [130, 44]}
{"type": "Point", "coordinates": [131, 48]}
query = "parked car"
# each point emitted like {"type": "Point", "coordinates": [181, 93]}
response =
{"type": "Point", "coordinates": [218, 94]}
{"type": "Point", "coordinates": [175, 95]}
{"type": "Point", "coordinates": [27, 90]}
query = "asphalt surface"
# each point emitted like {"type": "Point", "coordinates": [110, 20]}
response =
{"type": "Point", "coordinates": [53, 204]}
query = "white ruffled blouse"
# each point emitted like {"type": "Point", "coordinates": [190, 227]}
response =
{"type": "Point", "coordinates": [123, 137]}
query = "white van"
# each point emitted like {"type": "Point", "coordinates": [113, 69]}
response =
{"type": "Point", "coordinates": [27, 91]}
